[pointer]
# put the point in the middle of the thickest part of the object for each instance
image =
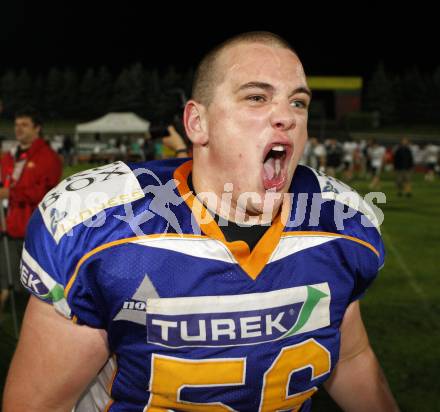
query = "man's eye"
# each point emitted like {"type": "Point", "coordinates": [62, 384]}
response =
{"type": "Point", "coordinates": [300, 104]}
{"type": "Point", "coordinates": [256, 98]}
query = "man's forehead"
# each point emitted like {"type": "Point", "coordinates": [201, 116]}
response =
{"type": "Point", "coordinates": [24, 119]}
{"type": "Point", "coordinates": [258, 62]}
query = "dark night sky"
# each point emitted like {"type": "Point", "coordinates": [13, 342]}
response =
{"type": "Point", "coordinates": [70, 34]}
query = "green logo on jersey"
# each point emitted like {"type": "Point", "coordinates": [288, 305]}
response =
{"type": "Point", "coordinates": [313, 297]}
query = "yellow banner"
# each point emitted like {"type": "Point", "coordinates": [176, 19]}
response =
{"type": "Point", "coordinates": [334, 83]}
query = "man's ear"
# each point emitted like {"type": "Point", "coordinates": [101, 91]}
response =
{"type": "Point", "coordinates": [196, 126]}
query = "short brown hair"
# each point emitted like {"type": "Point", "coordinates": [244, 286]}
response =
{"type": "Point", "coordinates": [31, 113]}
{"type": "Point", "coordinates": [207, 75]}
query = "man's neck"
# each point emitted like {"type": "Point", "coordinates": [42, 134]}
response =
{"type": "Point", "coordinates": [233, 231]}
{"type": "Point", "coordinates": [27, 145]}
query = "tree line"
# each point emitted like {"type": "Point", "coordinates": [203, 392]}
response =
{"type": "Point", "coordinates": [70, 94]}
{"type": "Point", "coordinates": [411, 97]}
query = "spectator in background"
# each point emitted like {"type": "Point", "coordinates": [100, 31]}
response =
{"type": "Point", "coordinates": [148, 148]}
{"type": "Point", "coordinates": [175, 142]}
{"type": "Point", "coordinates": [431, 161]}
{"type": "Point", "coordinates": [136, 152]}
{"type": "Point", "coordinates": [418, 153]}
{"type": "Point", "coordinates": [122, 149]}
{"type": "Point", "coordinates": [403, 164]}
{"type": "Point", "coordinates": [28, 172]}
{"type": "Point", "coordinates": [334, 157]}
{"type": "Point", "coordinates": [349, 149]}
{"type": "Point", "coordinates": [388, 159]}
{"type": "Point", "coordinates": [67, 150]}
{"type": "Point", "coordinates": [317, 154]}
{"type": "Point", "coordinates": [376, 154]}
{"type": "Point", "coordinates": [367, 169]}
{"type": "Point", "coordinates": [97, 149]}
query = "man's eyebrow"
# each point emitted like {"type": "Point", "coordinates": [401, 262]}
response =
{"type": "Point", "coordinates": [302, 89]}
{"type": "Point", "coordinates": [258, 85]}
{"type": "Point", "coordinates": [268, 87]}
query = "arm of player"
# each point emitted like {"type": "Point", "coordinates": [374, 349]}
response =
{"type": "Point", "coordinates": [358, 384]}
{"type": "Point", "coordinates": [54, 361]}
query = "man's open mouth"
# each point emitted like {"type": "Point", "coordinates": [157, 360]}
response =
{"type": "Point", "coordinates": [275, 165]}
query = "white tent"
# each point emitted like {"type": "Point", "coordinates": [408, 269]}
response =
{"type": "Point", "coordinates": [115, 123]}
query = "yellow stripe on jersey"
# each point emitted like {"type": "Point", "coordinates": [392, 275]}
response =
{"type": "Point", "coordinates": [337, 235]}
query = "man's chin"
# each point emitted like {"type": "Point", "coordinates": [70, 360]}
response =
{"type": "Point", "coordinates": [22, 140]}
{"type": "Point", "coordinates": [273, 200]}
{"type": "Point", "coordinates": [265, 210]}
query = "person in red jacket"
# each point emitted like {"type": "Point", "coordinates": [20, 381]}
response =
{"type": "Point", "coordinates": [28, 172]}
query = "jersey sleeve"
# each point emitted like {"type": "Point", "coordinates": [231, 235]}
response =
{"type": "Point", "coordinates": [362, 229]}
{"type": "Point", "coordinates": [344, 212]}
{"type": "Point", "coordinates": [72, 220]}
{"type": "Point", "coordinates": [367, 270]}
{"type": "Point", "coordinates": [360, 225]}
{"type": "Point", "coordinates": [46, 269]}
{"type": "Point", "coordinates": [40, 272]}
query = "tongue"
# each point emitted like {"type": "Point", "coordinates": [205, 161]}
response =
{"type": "Point", "coordinates": [272, 173]}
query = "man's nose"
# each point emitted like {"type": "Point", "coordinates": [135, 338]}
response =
{"type": "Point", "coordinates": [283, 116]}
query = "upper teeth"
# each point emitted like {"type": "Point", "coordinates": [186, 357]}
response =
{"type": "Point", "coordinates": [278, 148]}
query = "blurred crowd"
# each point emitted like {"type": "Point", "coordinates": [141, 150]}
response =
{"type": "Point", "coordinates": [369, 158]}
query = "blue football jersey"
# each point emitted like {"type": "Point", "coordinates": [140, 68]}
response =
{"type": "Point", "coordinates": [196, 323]}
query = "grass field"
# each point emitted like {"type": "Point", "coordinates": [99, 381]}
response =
{"type": "Point", "coordinates": [402, 308]}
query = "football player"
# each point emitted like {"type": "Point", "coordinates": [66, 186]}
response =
{"type": "Point", "coordinates": [230, 282]}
